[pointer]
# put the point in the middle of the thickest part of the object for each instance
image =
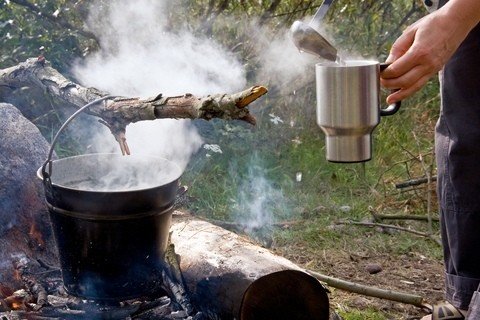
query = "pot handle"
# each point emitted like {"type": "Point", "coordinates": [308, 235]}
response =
{"type": "Point", "coordinates": [393, 108]}
{"type": "Point", "coordinates": [46, 174]}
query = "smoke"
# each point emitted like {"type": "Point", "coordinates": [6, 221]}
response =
{"type": "Point", "coordinates": [142, 55]}
{"type": "Point", "coordinates": [258, 202]}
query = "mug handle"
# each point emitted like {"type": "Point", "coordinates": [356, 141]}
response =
{"type": "Point", "coordinates": [393, 108]}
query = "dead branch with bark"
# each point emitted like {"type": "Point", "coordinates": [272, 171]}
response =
{"type": "Point", "coordinates": [118, 113]}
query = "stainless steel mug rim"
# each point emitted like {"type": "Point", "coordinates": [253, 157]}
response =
{"type": "Point", "coordinates": [348, 64]}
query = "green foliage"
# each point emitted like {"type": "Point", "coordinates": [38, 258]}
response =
{"type": "Point", "coordinates": [31, 28]}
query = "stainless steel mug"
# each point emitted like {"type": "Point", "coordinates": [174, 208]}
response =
{"type": "Point", "coordinates": [348, 107]}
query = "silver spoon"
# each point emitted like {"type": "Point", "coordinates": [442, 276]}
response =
{"type": "Point", "coordinates": [307, 39]}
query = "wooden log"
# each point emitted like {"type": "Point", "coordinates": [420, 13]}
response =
{"type": "Point", "coordinates": [219, 266]}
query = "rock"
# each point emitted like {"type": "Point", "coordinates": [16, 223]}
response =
{"type": "Point", "coordinates": [24, 223]}
{"type": "Point", "coordinates": [373, 268]}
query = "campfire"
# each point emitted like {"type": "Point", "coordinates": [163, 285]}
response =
{"type": "Point", "coordinates": [115, 260]}
{"type": "Point", "coordinates": [44, 297]}
{"type": "Point", "coordinates": [216, 278]}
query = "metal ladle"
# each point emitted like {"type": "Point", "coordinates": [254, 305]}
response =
{"type": "Point", "coordinates": [307, 39]}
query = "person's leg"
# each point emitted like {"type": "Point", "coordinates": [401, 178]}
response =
{"type": "Point", "coordinates": [474, 309]}
{"type": "Point", "coordinates": [458, 165]}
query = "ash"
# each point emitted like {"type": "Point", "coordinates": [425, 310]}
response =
{"type": "Point", "coordinates": [44, 298]}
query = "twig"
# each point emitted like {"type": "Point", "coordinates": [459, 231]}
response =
{"type": "Point", "coordinates": [240, 226]}
{"type": "Point", "coordinates": [429, 182]}
{"type": "Point", "coordinates": [379, 216]}
{"type": "Point", "coordinates": [389, 226]}
{"type": "Point", "coordinates": [414, 182]}
{"type": "Point", "coordinates": [370, 291]}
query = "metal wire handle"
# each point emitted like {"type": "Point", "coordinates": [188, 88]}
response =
{"type": "Point", "coordinates": [46, 175]}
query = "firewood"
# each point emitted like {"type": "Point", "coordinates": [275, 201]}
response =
{"type": "Point", "coordinates": [219, 265]}
{"type": "Point", "coordinates": [172, 277]}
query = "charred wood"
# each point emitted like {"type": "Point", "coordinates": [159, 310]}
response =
{"type": "Point", "coordinates": [173, 279]}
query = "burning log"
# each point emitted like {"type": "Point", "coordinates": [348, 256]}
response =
{"type": "Point", "coordinates": [117, 113]}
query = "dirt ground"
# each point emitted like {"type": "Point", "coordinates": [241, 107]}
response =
{"type": "Point", "coordinates": [411, 273]}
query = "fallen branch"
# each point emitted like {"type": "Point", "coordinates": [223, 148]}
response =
{"type": "Point", "coordinates": [389, 226]}
{"type": "Point", "coordinates": [378, 216]}
{"type": "Point", "coordinates": [370, 291]}
{"type": "Point", "coordinates": [414, 182]}
{"type": "Point", "coordinates": [117, 113]}
{"type": "Point", "coordinates": [223, 264]}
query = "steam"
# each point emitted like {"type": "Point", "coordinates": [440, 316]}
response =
{"type": "Point", "coordinates": [282, 64]}
{"type": "Point", "coordinates": [112, 173]}
{"type": "Point", "coordinates": [141, 57]}
{"type": "Point", "coordinates": [143, 54]}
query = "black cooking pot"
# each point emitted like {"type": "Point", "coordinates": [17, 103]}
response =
{"type": "Point", "coordinates": [111, 217]}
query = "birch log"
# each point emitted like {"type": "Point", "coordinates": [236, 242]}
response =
{"type": "Point", "coordinates": [219, 266]}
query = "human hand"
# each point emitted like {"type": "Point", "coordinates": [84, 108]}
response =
{"type": "Point", "coordinates": [421, 51]}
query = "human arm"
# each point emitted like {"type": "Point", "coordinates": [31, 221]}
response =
{"type": "Point", "coordinates": [425, 46]}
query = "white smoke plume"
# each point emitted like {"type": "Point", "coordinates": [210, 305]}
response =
{"type": "Point", "coordinates": [257, 201]}
{"type": "Point", "coordinates": [141, 57]}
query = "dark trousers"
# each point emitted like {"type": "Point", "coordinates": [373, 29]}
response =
{"type": "Point", "coordinates": [457, 146]}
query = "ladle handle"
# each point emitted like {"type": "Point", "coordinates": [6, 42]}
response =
{"type": "Point", "coordinates": [394, 107]}
{"type": "Point", "coordinates": [47, 174]}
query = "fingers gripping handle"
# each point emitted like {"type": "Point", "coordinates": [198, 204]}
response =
{"type": "Point", "coordinates": [393, 108]}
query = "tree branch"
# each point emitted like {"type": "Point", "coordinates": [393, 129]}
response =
{"type": "Point", "coordinates": [370, 291]}
{"type": "Point", "coordinates": [117, 113]}
{"type": "Point", "coordinates": [389, 226]}
{"type": "Point", "coordinates": [414, 182]}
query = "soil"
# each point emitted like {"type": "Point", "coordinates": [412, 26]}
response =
{"type": "Point", "coordinates": [412, 273]}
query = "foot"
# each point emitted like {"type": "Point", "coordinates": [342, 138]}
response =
{"type": "Point", "coordinates": [444, 311]}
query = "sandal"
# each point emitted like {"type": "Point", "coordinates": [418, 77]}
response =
{"type": "Point", "coordinates": [444, 311]}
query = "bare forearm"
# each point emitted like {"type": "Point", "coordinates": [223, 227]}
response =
{"type": "Point", "coordinates": [463, 12]}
